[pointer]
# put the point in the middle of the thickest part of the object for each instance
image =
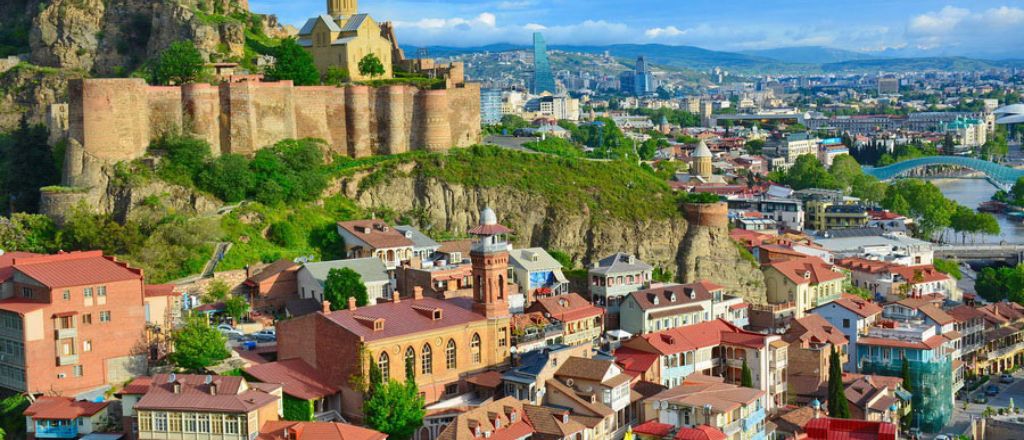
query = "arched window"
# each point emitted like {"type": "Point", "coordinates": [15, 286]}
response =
{"type": "Point", "coordinates": [410, 360]}
{"type": "Point", "coordinates": [474, 348]}
{"type": "Point", "coordinates": [426, 360]}
{"type": "Point", "coordinates": [449, 355]}
{"type": "Point", "coordinates": [383, 362]}
{"type": "Point", "coordinates": [501, 286]}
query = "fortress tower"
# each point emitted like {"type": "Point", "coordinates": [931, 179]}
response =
{"type": "Point", "coordinates": [342, 8]}
{"type": "Point", "coordinates": [489, 255]}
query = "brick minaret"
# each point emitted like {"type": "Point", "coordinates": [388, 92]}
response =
{"type": "Point", "coordinates": [489, 255]}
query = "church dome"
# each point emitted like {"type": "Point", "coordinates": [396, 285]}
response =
{"type": "Point", "coordinates": [702, 150]}
{"type": "Point", "coordinates": [487, 217]}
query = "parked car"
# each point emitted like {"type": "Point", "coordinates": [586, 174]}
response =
{"type": "Point", "coordinates": [1006, 378]}
{"type": "Point", "coordinates": [942, 437]}
{"type": "Point", "coordinates": [980, 398]}
{"type": "Point", "coordinates": [229, 331]}
{"type": "Point", "coordinates": [264, 336]}
{"type": "Point", "coordinates": [268, 331]}
{"type": "Point", "coordinates": [991, 390]}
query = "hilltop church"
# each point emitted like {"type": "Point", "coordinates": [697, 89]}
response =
{"type": "Point", "coordinates": [342, 37]}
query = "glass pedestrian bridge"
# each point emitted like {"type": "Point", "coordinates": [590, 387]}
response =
{"type": "Point", "coordinates": [1001, 174]}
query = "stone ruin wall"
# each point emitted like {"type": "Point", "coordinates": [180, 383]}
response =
{"type": "Point", "coordinates": [112, 120]}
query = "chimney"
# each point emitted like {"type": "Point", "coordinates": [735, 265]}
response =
{"type": "Point", "coordinates": [417, 292]}
{"type": "Point", "coordinates": [326, 306]}
{"type": "Point", "coordinates": [395, 297]}
{"type": "Point", "coordinates": [213, 389]}
{"type": "Point", "coordinates": [351, 303]}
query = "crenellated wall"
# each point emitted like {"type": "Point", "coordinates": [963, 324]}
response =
{"type": "Point", "coordinates": [114, 120]}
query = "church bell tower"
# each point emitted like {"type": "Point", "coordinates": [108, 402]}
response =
{"type": "Point", "coordinates": [342, 8]}
{"type": "Point", "coordinates": [489, 256]}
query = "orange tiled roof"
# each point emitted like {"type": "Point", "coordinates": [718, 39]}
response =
{"type": "Point", "coordinates": [806, 270]}
{"type": "Point", "coordinates": [569, 307]}
{"type": "Point", "coordinates": [62, 408]}
{"type": "Point", "coordinates": [283, 429]}
{"type": "Point", "coordinates": [75, 269]}
{"type": "Point", "coordinates": [376, 233]}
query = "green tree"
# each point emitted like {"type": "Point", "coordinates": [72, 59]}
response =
{"type": "Point", "coordinates": [217, 291]}
{"type": "Point", "coordinates": [746, 377]}
{"type": "Point", "coordinates": [395, 408]}
{"type": "Point", "coordinates": [342, 284]}
{"type": "Point", "coordinates": [371, 66]}
{"type": "Point", "coordinates": [845, 170]}
{"type": "Point", "coordinates": [228, 177]}
{"type": "Point", "coordinates": [336, 76]}
{"type": "Point", "coordinates": [948, 267]}
{"type": "Point", "coordinates": [184, 157]}
{"type": "Point", "coordinates": [838, 406]}
{"type": "Point", "coordinates": [197, 345]}
{"type": "Point", "coordinates": [180, 63]}
{"type": "Point", "coordinates": [28, 164]}
{"type": "Point", "coordinates": [755, 147]}
{"type": "Point", "coordinates": [376, 377]}
{"type": "Point", "coordinates": [808, 172]}
{"type": "Point", "coordinates": [236, 307]}
{"type": "Point", "coordinates": [293, 63]}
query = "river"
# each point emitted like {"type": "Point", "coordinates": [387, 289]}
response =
{"type": "Point", "coordinates": [971, 193]}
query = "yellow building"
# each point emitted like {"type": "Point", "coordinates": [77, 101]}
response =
{"type": "Point", "coordinates": [342, 37]}
{"type": "Point", "coordinates": [805, 283]}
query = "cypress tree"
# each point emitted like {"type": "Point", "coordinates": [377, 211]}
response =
{"type": "Point", "coordinates": [746, 379]}
{"type": "Point", "coordinates": [838, 406]}
{"type": "Point", "coordinates": [906, 375]}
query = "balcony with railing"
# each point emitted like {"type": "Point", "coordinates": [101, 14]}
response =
{"type": "Point", "coordinates": [67, 359]}
{"type": "Point", "coordinates": [66, 333]}
{"type": "Point", "coordinates": [731, 429]}
{"type": "Point", "coordinates": [753, 419]}
{"type": "Point", "coordinates": [539, 333]}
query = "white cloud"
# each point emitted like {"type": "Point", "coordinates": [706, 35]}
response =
{"type": "Point", "coordinates": [952, 27]}
{"type": "Point", "coordinates": [485, 28]}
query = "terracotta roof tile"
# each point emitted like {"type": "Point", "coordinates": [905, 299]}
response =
{"type": "Point", "coordinates": [683, 293]}
{"type": "Point", "coordinates": [812, 270]}
{"type": "Point", "coordinates": [7, 262]}
{"type": "Point", "coordinates": [403, 318]}
{"type": "Point", "coordinates": [75, 269]}
{"type": "Point", "coordinates": [814, 329]}
{"type": "Point", "coordinates": [233, 394]}
{"type": "Point", "coordinates": [569, 307]}
{"type": "Point", "coordinates": [653, 427]}
{"type": "Point", "coordinates": [298, 378]}
{"type": "Point", "coordinates": [62, 408]}
{"type": "Point", "coordinates": [160, 290]}
{"type": "Point", "coordinates": [700, 432]}
{"type": "Point", "coordinates": [858, 305]}
{"type": "Point", "coordinates": [376, 233]}
{"type": "Point", "coordinates": [275, 430]}
{"type": "Point", "coordinates": [697, 391]}
{"type": "Point", "coordinates": [272, 269]}
{"type": "Point", "coordinates": [694, 336]}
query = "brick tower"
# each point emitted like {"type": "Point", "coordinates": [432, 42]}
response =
{"type": "Point", "coordinates": [489, 255]}
{"type": "Point", "coordinates": [342, 8]}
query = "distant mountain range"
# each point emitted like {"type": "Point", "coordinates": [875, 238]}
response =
{"type": "Point", "coordinates": [788, 59]}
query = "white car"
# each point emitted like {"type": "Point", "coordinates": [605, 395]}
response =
{"type": "Point", "coordinates": [229, 331]}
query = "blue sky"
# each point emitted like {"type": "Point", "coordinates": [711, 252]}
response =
{"type": "Point", "coordinates": [974, 27]}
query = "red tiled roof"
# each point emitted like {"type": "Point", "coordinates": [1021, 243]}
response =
{"type": "Point", "coordinates": [7, 263]}
{"type": "Point", "coordinates": [928, 344]}
{"type": "Point", "coordinates": [376, 233]}
{"type": "Point", "coordinates": [569, 307]}
{"type": "Point", "coordinates": [277, 429]}
{"type": "Point", "coordinates": [62, 408]}
{"type": "Point", "coordinates": [195, 394]}
{"type": "Point", "coordinates": [653, 427]}
{"type": "Point", "coordinates": [700, 290]}
{"type": "Point", "coordinates": [21, 306]}
{"type": "Point", "coordinates": [403, 318]}
{"type": "Point", "coordinates": [806, 270]}
{"type": "Point", "coordinates": [490, 230]}
{"type": "Point", "coordinates": [927, 273]}
{"type": "Point", "coordinates": [694, 336]}
{"type": "Point", "coordinates": [298, 378]}
{"type": "Point", "coordinates": [858, 305]}
{"type": "Point", "coordinates": [964, 313]}
{"type": "Point", "coordinates": [139, 385]}
{"type": "Point", "coordinates": [160, 290]}
{"type": "Point", "coordinates": [74, 269]}
{"type": "Point", "coordinates": [700, 432]}
{"type": "Point", "coordinates": [827, 428]}
{"type": "Point", "coordinates": [272, 269]}
{"type": "Point", "coordinates": [634, 362]}
{"type": "Point", "coordinates": [936, 314]}
{"type": "Point", "coordinates": [813, 328]}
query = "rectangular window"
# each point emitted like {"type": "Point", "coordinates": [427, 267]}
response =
{"type": "Point", "coordinates": [174, 422]}
{"type": "Point", "coordinates": [451, 389]}
{"type": "Point", "coordinates": [67, 295]}
{"type": "Point", "coordinates": [846, 323]}
{"type": "Point", "coordinates": [189, 422]}
{"type": "Point", "coordinates": [160, 422]}
{"type": "Point", "coordinates": [87, 318]}
{"type": "Point", "coordinates": [204, 423]}
{"type": "Point", "coordinates": [78, 371]}
{"type": "Point", "coordinates": [216, 424]}
{"type": "Point", "coordinates": [101, 291]}
{"type": "Point", "coordinates": [145, 422]}
{"type": "Point", "coordinates": [231, 425]}
{"type": "Point", "coordinates": [26, 292]}
{"type": "Point", "coordinates": [87, 345]}
{"type": "Point", "coordinates": [87, 292]}
{"type": "Point", "coordinates": [105, 316]}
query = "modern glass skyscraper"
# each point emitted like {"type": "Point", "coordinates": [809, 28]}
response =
{"type": "Point", "coordinates": [543, 80]}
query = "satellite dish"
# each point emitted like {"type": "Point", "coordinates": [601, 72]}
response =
{"type": "Point", "coordinates": [569, 382]}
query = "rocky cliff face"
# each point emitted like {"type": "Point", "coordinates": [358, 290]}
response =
{"type": "Point", "coordinates": [689, 248]}
{"type": "Point", "coordinates": [536, 221]}
{"type": "Point", "coordinates": [111, 37]}
{"type": "Point", "coordinates": [708, 253]}
{"type": "Point", "coordinates": [27, 92]}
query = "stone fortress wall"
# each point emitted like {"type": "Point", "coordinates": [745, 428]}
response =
{"type": "Point", "coordinates": [113, 120]}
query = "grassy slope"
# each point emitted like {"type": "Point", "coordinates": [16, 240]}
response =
{"type": "Point", "coordinates": [608, 189]}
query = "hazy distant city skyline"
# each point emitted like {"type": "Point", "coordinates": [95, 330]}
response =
{"type": "Point", "coordinates": [981, 28]}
